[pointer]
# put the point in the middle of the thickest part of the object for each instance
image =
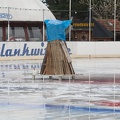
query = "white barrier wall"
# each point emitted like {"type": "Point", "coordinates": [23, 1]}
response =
{"type": "Point", "coordinates": [95, 49]}
{"type": "Point", "coordinates": [76, 49]}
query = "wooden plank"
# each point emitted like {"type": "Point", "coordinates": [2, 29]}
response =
{"type": "Point", "coordinates": [48, 62]}
{"type": "Point", "coordinates": [65, 51]}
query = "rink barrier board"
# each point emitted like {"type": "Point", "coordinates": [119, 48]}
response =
{"type": "Point", "coordinates": [36, 50]}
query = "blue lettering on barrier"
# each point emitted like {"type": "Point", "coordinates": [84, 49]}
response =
{"type": "Point", "coordinates": [17, 52]}
{"type": "Point", "coordinates": [6, 15]}
{"type": "Point", "coordinates": [26, 51]}
{"type": "Point", "coordinates": [8, 52]}
{"type": "Point", "coordinates": [35, 52]}
{"type": "Point", "coordinates": [69, 50]}
{"type": "Point", "coordinates": [2, 50]}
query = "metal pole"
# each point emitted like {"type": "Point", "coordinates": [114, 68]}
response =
{"type": "Point", "coordinates": [8, 25]}
{"type": "Point", "coordinates": [69, 9]}
{"type": "Point", "coordinates": [90, 20]}
{"type": "Point", "coordinates": [43, 27]}
{"type": "Point", "coordinates": [114, 20]}
{"type": "Point", "coordinates": [114, 40]}
{"type": "Point", "coordinates": [70, 19]}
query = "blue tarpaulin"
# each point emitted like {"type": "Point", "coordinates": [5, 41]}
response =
{"type": "Point", "coordinates": [56, 29]}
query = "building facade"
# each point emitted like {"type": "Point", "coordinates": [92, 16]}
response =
{"type": "Point", "coordinates": [23, 20]}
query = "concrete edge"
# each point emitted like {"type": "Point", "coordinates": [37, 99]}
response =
{"type": "Point", "coordinates": [41, 57]}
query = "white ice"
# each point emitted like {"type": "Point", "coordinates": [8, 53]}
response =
{"type": "Point", "coordinates": [22, 98]}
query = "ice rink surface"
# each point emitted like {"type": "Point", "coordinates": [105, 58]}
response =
{"type": "Point", "coordinates": [94, 95]}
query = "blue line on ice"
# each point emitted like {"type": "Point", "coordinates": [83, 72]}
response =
{"type": "Point", "coordinates": [75, 108]}
{"type": "Point", "coordinates": [49, 106]}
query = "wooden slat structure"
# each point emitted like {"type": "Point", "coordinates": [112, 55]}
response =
{"type": "Point", "coordinates": [57, 59]}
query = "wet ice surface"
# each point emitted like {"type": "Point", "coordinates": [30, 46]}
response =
{"type": "Point", "coordinates": [22, 98]}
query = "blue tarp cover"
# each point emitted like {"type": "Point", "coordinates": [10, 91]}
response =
{"type": "Point", "coordinates": [56, 29]}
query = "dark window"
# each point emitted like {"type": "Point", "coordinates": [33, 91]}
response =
{"type": "Point", "coordinates": [1, 34]}
{"type": "Point", "coordinates": [16, 34]}
{"type": "Point", "coordinates": [34, 34]}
